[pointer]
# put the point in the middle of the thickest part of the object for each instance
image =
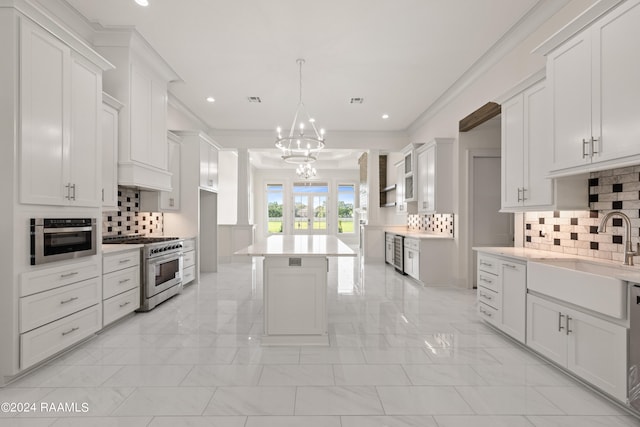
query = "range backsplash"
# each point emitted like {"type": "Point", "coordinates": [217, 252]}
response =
{"type": "Point", "coordinates": [440, 224]}
{"type": "Point", "coordinates": [128, 219]}
{"type": "Point", "coordinates": [576, 232]}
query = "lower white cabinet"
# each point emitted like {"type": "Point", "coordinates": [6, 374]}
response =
{"type": "Point", "coordinates": [592, 348]}
{"type": "Point", "coordinates": [388, 248]}
{"type": "Point", "coordinates": [189, 263]}
{"type": "Point", "coordinates": [120, 284]}
{"type": "Point", "coordinates": [412, 258]}
{"type": "Point", "coordinates": [502, 293]}
{"type": "Point", "coordinates": [59, 306]}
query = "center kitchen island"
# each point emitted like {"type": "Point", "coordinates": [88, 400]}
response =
{"type": "Point", "coordinates": [295, 286]}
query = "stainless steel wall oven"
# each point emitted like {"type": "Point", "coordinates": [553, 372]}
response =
{"type": "Point", "coordinates": [56, 239]}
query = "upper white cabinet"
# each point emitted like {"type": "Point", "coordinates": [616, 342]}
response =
{"type": "Point", "coordinates": [166, 201]}
{"type": "Point", "coordinates": [410, 175]}
{"type": "Point", "coordinates": [435, 176]}
{"type": "Point", "coordinates": [140, 81]}
{"type": "Point", "coordinates": [60, 111]}
{"type": "Point", "coordinates": [594, 89]}
{"type": "Point", "coordinates": [401, 205]}
{"type": "Point", "coordinates": [208, 164]}
{"type": "Point", "coordinates": [110, 108]}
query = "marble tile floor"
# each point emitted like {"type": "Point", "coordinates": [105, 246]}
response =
{"type": "Point", "coordinates": [400, 356]}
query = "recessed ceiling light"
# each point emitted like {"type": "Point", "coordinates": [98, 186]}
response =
{"type": "Point", "coordinates": [254, 99]}
{"type": "Point", "coordinates": [211, 99]}
{"type": "Point", "coordinates": [385, 116]}
{"type": "Point", "coordinates": [144, 3]}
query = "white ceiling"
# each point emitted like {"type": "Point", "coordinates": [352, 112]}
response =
{"type": "Point", "coordinates": [400, 55]}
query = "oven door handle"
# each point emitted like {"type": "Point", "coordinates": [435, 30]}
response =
{"type": "Point", "coordinates": [67, 229]}
{"type": "Point", "coordinates": [167, 257]}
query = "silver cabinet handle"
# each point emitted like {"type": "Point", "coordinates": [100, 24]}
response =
{"type": "Point", "coordinates": [68, 187]}
{"type": "Point", "coordinates": [125, 304]}
{"type": "Point", "coordinates": [568, 320]}
{"type": "Point", "coordinates": [560, 327]}
{"type": "Point", "coordinates": [68, 300]}
{"type": "Point", "coordinates": [64, 276]}
{"type": "Point", "coordinates": [488, 264]}
{"type": "Point", "coordinates": [123, 281]}
{"type": "Point", "coordinates": [513, 267]}
{"type": "Point", "coordinates": [519, 198]}
{"type": "Point", "coordinates": [485, 312]}
{"type": "Point", "coordinates": [70, 330]}
{"type": "Point", "coordinates": [485, 280]}
{"type": "Point", "coordinates": [585, 143]}
{"type": "Point", "coordinates": [489, 297]}
{"type": "Point", "coordinates": [523, 190]}
{"type": "Point", "coordinates": [124, 261]}
{"type": "Point", "coordinates": [593, 145]}
{"type": "Point", "coordinates": [73, 187]}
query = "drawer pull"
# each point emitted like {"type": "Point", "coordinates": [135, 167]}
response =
{"type": "Point", "coordinates": [485, 280]}
{"type": "Point", "coordinates": [488, 264]}
{"type": "Point", "coordinates": [568, 320]}
{"type": "Point", "coordinates": [560, 327]}
{"type": "Point", "coordinates": [64, 276]}
{"type": "Point", "coordinates": [486, 296]}
{"type": "Point", "coordinates": [486, 313]}
{"type": "Point", "coordinates": [68, 300]}
{"type": "Point", "coordinates": [509, 265]}
{"type": "Point", "coordinates": [71, 330]}
{"type": "Point", "coordinates": [124, 281]}
{"type": "Point", "coordinates": [124, 261]}
{"type": "Point", "coordinates": [125, 304]}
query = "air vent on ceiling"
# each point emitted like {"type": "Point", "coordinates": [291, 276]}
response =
{"type": "Point", "coordinates": [255, 99]}
{"type": "Point", "coordinates": [356, 101]}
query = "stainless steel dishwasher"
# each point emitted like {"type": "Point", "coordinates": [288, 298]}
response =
{"type": "Point", "coordinates": [634, 348]}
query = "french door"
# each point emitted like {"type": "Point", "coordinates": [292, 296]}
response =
{"type": "Point", "coordinates": [310, 208]}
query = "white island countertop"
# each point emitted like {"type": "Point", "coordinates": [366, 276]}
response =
{"type": "Point", "coordinates": [289, 245]}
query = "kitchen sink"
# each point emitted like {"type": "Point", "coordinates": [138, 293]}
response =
{"type": "Point", "coordinates": [587, 284]}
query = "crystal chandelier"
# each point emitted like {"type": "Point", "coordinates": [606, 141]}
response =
{"type": "Point", "coordinates": [304, 170]}
{"type": "Point", "coordinates": [298, 147]}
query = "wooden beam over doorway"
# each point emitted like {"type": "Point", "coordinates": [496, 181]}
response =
{"type": "Point", "coordinates": [481, 115]}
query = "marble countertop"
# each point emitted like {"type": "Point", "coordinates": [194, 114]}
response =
{"type": "Point", "coordinates": [403, 231]}
{"type": "Point", "coordinates": [318, 245]}
{"type": "Point", "coordinates": [112, 248]}
{"type": "Point", "coordinates": [623, 272]}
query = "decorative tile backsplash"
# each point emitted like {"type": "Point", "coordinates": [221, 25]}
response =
{"type": "Point", "coordinates": [128, 219]}
{"type": "Point", "coordinates": [576, 232]}
{"type": "Point", "coordinates": [441, 224]}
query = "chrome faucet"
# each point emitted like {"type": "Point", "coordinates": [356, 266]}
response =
{"type": "Point", "coordinates": [628, 247]}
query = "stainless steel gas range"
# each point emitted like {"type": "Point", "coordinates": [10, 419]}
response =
{"type": "Point", "coordinates": [161, 273]}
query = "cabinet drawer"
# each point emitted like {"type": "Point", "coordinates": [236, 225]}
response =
{"type": "Point", "coordinates": [488, 281]}
{"type": "Point", "coordinates": [412, 244]}
{"type": "Point", "coordinates": [188, 274]}
{"type": "Point", "coordinates": [189, 245]}
{"type": "Point", "coordinates": [189, 259]}
{"type": "Point", "coordinates": [389, 237]}
{"type": "Point", "coordinates": [44, 307]}
{"type": "Point", "coordinates": [120, 281]}
{"type": "Point", "coordinates": [50, 339]}
{"type": "Point", "coordinates": [489, 297]}
{"type": "Point", "coordinates": [120, 260]}
{"type": "Point", "coordinates": [488, 264]}
{"type": "Point", "coordinates": [488, 313]}
{"type": "Point", "coordinates": [121, 305]}
{"type": "Point", "coordinates": [50, 278]}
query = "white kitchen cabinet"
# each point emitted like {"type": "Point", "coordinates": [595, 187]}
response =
{"type": "Point", "coordinates": [594, 91]}
{"type": "Point", "coordinates": [412, 258]}
{"type": "Point", "coordinates": [389, 248]}
{"type": "Point", "coordinates": [60, 93]}
{"type": "Point", "coordinates": [166, 201]}
{"type": "Point", "coordinates": [502, 293]}
{"type": "Point", "coordinates": [189, 265]}
{"type": "Point", "coordinates": [110, 111]}
{"type": "Point", "coordinates": [435, 176]}
{"type": "Point", "coordinates": [401, 205]}
{"type": "Point", "coordinates": [208, 166]}
{"type": "Point", "coordinates": [140, 82]}
{"type": "Point", "coordinates": [410, 173]}
{"type": "Point", "coordinates": [120, 284]}
{"type": "Point", "coordinates": [592, 348]}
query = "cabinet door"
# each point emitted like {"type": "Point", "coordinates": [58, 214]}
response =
{"type": "Point", "coordinates": [512, 119]}
{"type": "Point", "coordinates": [408, 263]}
{"type": "Point", "coordinates": [616, 86]}
{"type": "Point", "coordinates": [427, 180]}
{"type": "Point", "coordinates": [401, 206]}
{"type": "Point", "coordinates": [569, 79]}
{"type": "Point", "coordinates": [513, 294]}
{"type": "Point", "coordinates": [159, 149]}
{"type": "Point", "coordinates": [213, 168]}
{"type": "Point", "coordinates": [170, 200]}
{"type": "Point", "coordinates": [109, 156]}
{"type": "Point", "coordinates": [85, 149]}
{"type": "Point", "coordinates": [44, 114]}
{"type": "Point", "coordinates": [597, 352]}
{"type": "Point", "coordinates": [538, 190]}
{"type": "Point", "coordinates": [546, 330]}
